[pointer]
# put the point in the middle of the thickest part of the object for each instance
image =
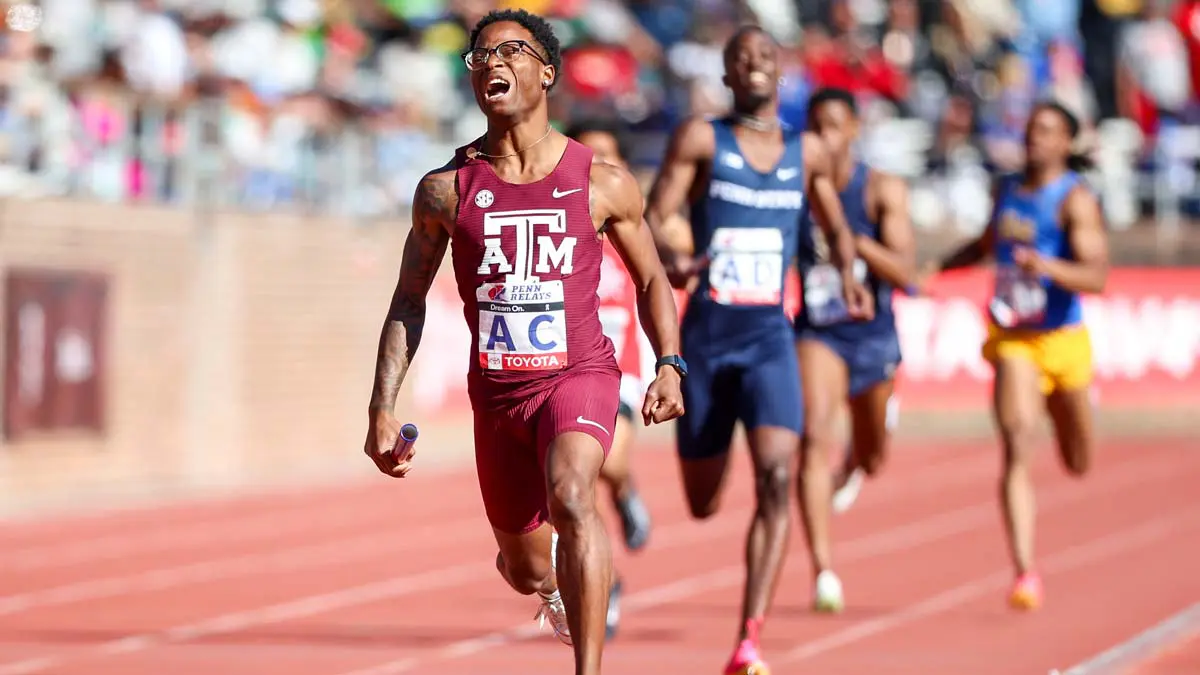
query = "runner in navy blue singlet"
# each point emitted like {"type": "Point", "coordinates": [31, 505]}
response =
{"type": "Point", "coordinates": [748, 181]}
{"type": "Point", "coordinates": [842, 359]}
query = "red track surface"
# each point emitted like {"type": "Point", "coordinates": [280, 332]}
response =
{"type": "Point", "coordinates": [397, 577]}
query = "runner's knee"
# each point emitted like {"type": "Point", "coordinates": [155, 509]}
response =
{"type": "Point", "coordinates": [772, 481]}
{"type": "Point", "coordinates": [571, 492]}
{"type": "Point", "coordinates": [1017, 437]}
{"type": "Point", "coordinates": [872, 461]}
{"type": "Point", "coordinates": [820, 435]}
{"type": "Point", "coordinates": [703, 491]}
{"type": "Point", "coordinates": [1076, 455]}
{"type": "Point", "coordinates": [526, 574]}
{"type": "Point", "coordinates": [870, 450]}
{"type": "Point", "coordinates": [703, 505]}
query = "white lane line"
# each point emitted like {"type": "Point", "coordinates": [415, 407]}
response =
{"type": "Point", "coordinates": [278, 561]}
{"type": "Point", "coordinates": [181, 535]}
{"type": "Point", "coordinates": [671, 536]}
{"type": "Point", "coordinates": [1077, 556]}
{"type": "Point", "coordinates": [293, 609]}
{"type": "Point", "coordinates": [1172, 631]}
{"type": "Point", "coordinates": [896, 539]}
{"type": "Point", "coordinates": [330, 553]}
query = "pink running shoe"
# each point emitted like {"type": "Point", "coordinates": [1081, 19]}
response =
{"type": "Point", "coordinates": [746, 661]}
{"type": "Point", "coordinates": [1026, 592]}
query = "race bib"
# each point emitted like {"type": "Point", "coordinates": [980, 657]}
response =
{"type": "Point", "coordinates": [522, 326]}
{"type": "Point", "coordinates": [1019, 298]}
{"type": "Point", "coordinates": [824, 298]}
{"type": "Point", "coordinates": [746, 266]}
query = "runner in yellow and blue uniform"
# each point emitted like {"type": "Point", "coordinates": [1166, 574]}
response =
{"type": "Point", "coordinates": [1050, 246]}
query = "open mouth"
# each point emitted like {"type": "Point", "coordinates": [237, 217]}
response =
{"type": "Point", "coordinates": [758, 78]}
{"type": "Point", "coordinates": [496, 89]}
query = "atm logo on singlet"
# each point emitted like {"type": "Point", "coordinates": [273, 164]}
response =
{"type": "Point", "coordinates": [535, 251]}
{"type": "Point", "coordinates": [755, 199]}
{"type": "Point", "coordinates": [522, 319]}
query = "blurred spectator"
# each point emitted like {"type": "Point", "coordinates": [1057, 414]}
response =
{"type": "Point", "coordinates": [1153, 78]}
{"type": "Point", "coordinates": [1187, 21]}
{"type": "Point", "coordinates": [339, 105]}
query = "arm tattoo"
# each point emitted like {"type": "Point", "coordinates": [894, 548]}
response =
{"type": "Point", "coordinates": [433, 214]}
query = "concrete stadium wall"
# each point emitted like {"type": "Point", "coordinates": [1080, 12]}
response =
{"type": "Point", "coordinates": [238, 350]}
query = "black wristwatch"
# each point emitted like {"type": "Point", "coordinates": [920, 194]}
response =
{"type": "Point", "coordinates": [674, 361]}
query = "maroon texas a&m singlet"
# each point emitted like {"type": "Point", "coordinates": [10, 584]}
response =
{"type": "Point", "coordinates": [527, 263]}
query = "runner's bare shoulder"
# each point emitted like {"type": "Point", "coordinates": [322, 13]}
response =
{"type": "Point", "coordinates": [694, 140]}
{"type": "Point", "coordinates": [435, 202]}
{"type": "Point", "coordinates": [613, 193]}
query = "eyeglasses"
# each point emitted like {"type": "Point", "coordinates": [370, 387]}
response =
{"type": "Point", "coordinates": [477, 58]}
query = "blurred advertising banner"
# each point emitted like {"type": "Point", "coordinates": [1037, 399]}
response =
{"type": "Point", "coordinates": [54, 351]}
{"type": "Point", "coordinates": [1145, 335]}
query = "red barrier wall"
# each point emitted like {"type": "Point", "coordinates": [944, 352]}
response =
{"type": "Point", "coordinates": [1145, 336]}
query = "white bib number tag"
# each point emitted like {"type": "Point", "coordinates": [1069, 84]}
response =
{"type": "Point", "coordinates": [522, 326]}
{"type": "Point", "coordinates": [746, 266]}
{"type": "Point", "coordinates": [824, 298]}
{"type": "Point", "coordinates": [1019, 298]}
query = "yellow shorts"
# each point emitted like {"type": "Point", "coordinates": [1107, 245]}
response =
{"type": "Point", "coordinates": [1063, 355]}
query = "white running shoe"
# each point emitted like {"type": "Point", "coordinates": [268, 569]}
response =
{"type": "Point", "coordinates": [552, 608]}
{"type": "Point", "coordinates": [828, 594]}
{"type": "Point", "coordinates": [845, 496]}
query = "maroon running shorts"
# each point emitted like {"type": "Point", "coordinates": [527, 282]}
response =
{"type": "Point", "coordinates": [511, 444]}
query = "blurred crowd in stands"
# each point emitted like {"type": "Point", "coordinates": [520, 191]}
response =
{"type": "Point", "coordinates": [340, 105]}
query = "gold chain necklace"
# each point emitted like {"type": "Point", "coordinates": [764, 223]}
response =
{"type": "Point", "coordinates": [480, 153]}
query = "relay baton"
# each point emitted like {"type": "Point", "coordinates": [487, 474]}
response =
{"type": "Point", "coordinates": [408, 436]}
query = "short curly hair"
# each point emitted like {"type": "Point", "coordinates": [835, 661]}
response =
{"type": "Point", "coordinates": [831, 95]}
{"type": "Point", "coordinates": [598, 125]}
{"type": "Point", "coordinates": [539, 28]}
{"type": "Point", "coordinates": [735, 40]}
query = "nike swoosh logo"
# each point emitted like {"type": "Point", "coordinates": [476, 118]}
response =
{"type": "Point", "coordinates": [787, 174]}
{"type": "Point", "coordinates": [599, 426]}
{"type": "Point", "coordinates": [558, 195]}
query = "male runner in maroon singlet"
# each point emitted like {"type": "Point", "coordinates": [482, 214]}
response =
{"type": "Point", "coordinates": [525, 208]}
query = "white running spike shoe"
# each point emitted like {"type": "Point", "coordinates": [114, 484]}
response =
{"type": "Point", "coordinates": [552, 608]}
{"type": "Point", "coordinates": [845, 496]}
{"type": "Point", "coordinates": [828, 597]}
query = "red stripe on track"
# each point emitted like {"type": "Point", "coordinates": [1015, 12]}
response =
{"type": "Point", "coordinates": [396, 577]}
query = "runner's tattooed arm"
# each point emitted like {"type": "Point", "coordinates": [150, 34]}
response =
{"type": "Point", "coordinates": [433, 213]}
{"type": "Point", "coordinates": [893, 256]}
{"type": "Point", "coordinates": [618, 205]}
{"type": "Point", "coordinates": [691, 147]}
